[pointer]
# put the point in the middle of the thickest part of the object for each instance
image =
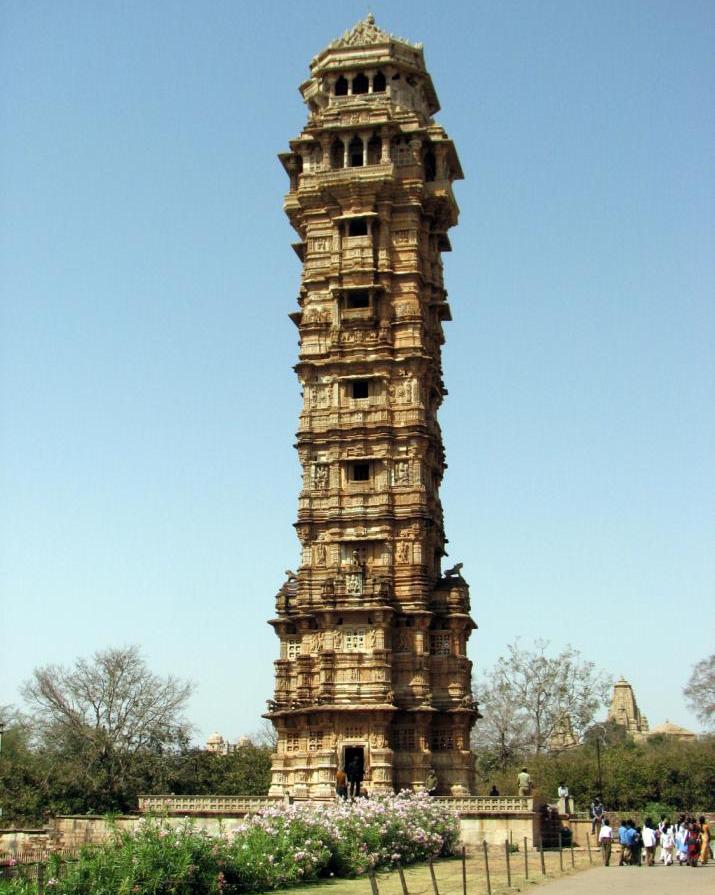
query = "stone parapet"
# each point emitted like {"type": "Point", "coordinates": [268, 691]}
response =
{"type": "Point", "coordinates": [470, 805]}
{"type": "Point", "coordinates": [204, 805]}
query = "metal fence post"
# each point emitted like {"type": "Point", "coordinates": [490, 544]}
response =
{"type": "Point", "coordinates": [403, 882]}
{"type": "Point", "coordinates": [526, 860]}
{"type": "Point", "coordinates": [464, 871]}
{"type": "Point", "coordinates": [508, 863]}
{"type": "Point", "coordinates": [434, 878]}
{"type": "Point", "coordinates": [561, 852]}
{"type": "Point", "coordinates": [588, 845]}
{"type": "Point", "coordinates": [373, 882]}
{"type": "Point", "coordinates": [541, 855]}
{"type": "Point", "coordinates": [486, 867]}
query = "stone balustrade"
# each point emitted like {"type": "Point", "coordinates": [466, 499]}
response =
{"type": "Point", "coordinates": [467, 805]}
{"type": "Point", "coordinates": [228, 805]}
{"type": "Point", "coordinates": [234, 806]}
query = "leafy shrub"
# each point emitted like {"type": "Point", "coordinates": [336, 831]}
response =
{"type": "Point", "coordinates": [279, 847]}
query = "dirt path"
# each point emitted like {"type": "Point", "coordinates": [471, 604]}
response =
{"type": "Point", "coordinates": [656, 880]}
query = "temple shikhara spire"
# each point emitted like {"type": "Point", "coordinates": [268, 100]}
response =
{"type": "Point", "coordinates": [373, 673]}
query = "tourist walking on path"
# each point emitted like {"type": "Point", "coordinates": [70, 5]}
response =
{"type": "Point", "coordinates": [649, 841]}
{"type": "Point", "coordinates": [634, 843]}
{"type": "Point", "coordinates": [625, 854]}
{"type": "Point", "coordinates": [681, 841]}
{"type": "Point", "coordinates": [605, 839]}
{"type": "Point", "coordinates": [705, 836]}
{"type": "Point", "coordinates": [694, 842]}
{"type": "Point", "coordinates": [667, 841]}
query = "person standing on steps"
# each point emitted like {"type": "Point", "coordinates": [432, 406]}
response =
{"type": "Point", "coordinates": [523, 781]}
{"type": "Point", "coordinates": [341, 784]}
{"type": "Point", "coordinates": [354, 774]}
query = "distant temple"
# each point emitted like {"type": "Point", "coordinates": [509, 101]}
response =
{"type": "Point", "coordinates": [624, 711]}
{"type": "Point", "coordinates": [219, 746]}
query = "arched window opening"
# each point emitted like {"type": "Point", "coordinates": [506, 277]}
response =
{"type": "Point", "coordinates": [430, 165]}
{"type": "Point", "coordinates": [357, 227]}
{"type": "Point", "coordinates": [337, 154]}
{"type": "Point", "coordinates": [378, 83]}
{"type": "Point", "coordinates": [341, 86]}
{"type": "Point", "coordinates": [374, 151]}
{"type": "Point", "coordinates": [360, 84]}
{"type": "Point", "coordinates": [355, 153]}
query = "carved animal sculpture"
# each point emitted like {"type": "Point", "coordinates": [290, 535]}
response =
{"type": "Point", "coordinates": [454, 571]}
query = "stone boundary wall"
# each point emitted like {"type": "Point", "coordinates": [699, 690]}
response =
{"type": "Point", "coordinates": [481, 818]}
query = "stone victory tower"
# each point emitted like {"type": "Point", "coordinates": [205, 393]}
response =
{"type": "Point", "coordinates": [373, 636]}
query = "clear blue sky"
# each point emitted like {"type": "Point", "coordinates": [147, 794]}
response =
{"type": "Point", "coordinates": [148, 480]}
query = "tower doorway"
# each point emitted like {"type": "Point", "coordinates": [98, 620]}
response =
{"type": "Point", "coordinates": [354, 768]}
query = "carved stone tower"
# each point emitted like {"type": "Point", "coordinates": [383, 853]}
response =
{"type": "Point", "coordinates": [373, 664]}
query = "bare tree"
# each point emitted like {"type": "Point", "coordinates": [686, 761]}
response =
{"type": "Point", "coordinates": [528, 698]}
{"type": "Point", "coordinates": [699, 692]}
{"type": "Point", "coordinates": [113, 694]}
{"type": "Point", "coordinates": [266, 735]}
{"type": "Point", "coordinates": [107, 714]}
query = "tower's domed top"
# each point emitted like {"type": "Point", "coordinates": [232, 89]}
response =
{"type": "Point", "coordinates": [365, 33]}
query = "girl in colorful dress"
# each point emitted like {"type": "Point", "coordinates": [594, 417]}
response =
{"type": "Point", "coordinates": [694, 841]}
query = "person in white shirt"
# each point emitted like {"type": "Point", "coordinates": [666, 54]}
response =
{"type": "Point", "coordinates": [667, 841]}
{"type": "Point", "coordinates": [649, 840]}
{"type": "Point", "coordinates": [605, 838]}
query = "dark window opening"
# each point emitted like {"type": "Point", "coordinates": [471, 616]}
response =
{"type": "Point", "coordinates": [357, 227]}
{"type": "Point", "coordinates": [355, 153]}
{"type": "Point", "coordinates": [396, 77]}
{"type": "Point", "coordinates": [360, 472]}
{"type": "Point", "coordinates": [337, 155]}
{"type": "Point", "coordinates": [430, 166]}
{"type": "Point", "coordinates": [341, 86]}
{"type": "Point", "coordinates": [374, 151]}
{"type": "Point", "coordinates": [359, 298]}
{"type": "Point", "coordinates": [360, 388]}
{"type": "Point", "coordinates": [360, 84]}
{"type": "Point", "coordinates": [378, 83]}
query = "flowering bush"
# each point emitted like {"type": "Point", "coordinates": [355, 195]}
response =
{"type": "Point", "coordinates": [278, 847]}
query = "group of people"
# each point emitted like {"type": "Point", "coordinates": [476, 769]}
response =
{"type": "Point", "coordinates": [687, 841]}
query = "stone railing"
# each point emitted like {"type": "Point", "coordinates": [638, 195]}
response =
{"type": "Point", "coordinates": [229, 805]}
{"type": "Point", "coordinates": [236, 806]}
{"type": "Point", "coordinates": [488, 804]}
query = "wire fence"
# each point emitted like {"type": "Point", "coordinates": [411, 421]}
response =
{"type": "Point", "coordinates": [486, 870]}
